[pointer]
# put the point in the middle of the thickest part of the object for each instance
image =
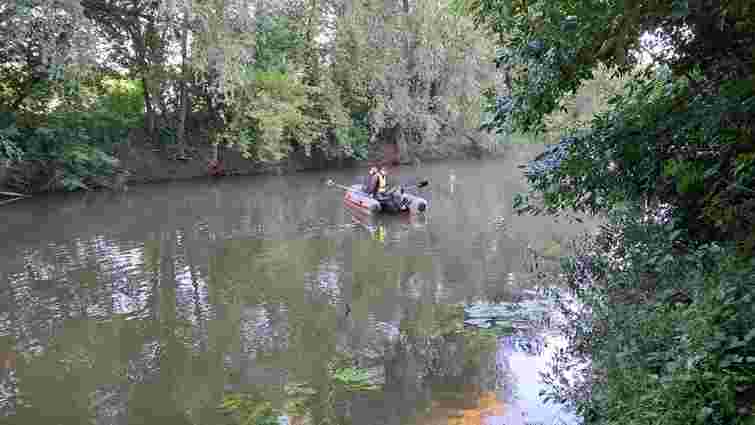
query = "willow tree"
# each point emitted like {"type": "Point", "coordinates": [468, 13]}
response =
{"type": "Point", "coordinates": [419, 68]}
{"type": "Point", "coordinates": [183, 79]}
{"type": "Point", "coordinates": [222, 47]}
{"type": "Point", "coordinates": [275, 97]}
{"type": "Point", "coordinates": [41, 42]}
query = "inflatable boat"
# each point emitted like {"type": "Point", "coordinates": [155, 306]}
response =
{"type": "Point", "coordinates": [402, 202]}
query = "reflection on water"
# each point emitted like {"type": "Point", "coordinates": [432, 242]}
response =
{"type": "Point", "coordinates": [265, 301]}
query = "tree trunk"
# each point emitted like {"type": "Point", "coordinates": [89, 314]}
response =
{"type": "Point", "coordinates": [313, 51]}
{"type": "Point", "coordinates": [149, 120]}
{"type": "Point", "coordinates": [408, 52]}
{"type": "Point", "coordinates": [181, 128]}
{"type": "Point", "coordinates": [216, 86]}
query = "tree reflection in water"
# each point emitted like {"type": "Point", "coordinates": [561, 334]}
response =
{"type": "Point", "coordinates": [260, 346]}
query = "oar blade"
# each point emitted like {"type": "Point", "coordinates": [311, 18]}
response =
{"type": "Point", "coordinates": [13, 194]}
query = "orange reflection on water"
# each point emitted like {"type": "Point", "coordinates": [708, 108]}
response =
{"type": "Point", "coordinates": [7, 360]}
{"type": "Point", "coordinates": [444, 412]}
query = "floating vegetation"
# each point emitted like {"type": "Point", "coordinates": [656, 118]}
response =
{"type": "Point", "coordinates": [249, 410]}
{"type": "Point", "coordinates": [356, 379]}
{"type": "Point", "coordinates": [508, 318]}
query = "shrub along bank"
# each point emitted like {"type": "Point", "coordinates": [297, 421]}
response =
{"type": "Point", "coordinates": [665, 331]}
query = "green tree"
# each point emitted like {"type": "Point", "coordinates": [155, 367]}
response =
{"type": "Point", "coordinates": [669, 164]}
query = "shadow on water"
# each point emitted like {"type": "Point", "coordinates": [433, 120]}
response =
{"type": "Point", "coordinates": [264, 300]}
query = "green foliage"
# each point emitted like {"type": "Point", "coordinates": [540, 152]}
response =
{"type": "Point", "coordinates": [277, 42]}
{"type": "Point", "coordinates": [354, 379]}
{"type": "Point", "coordinates": [576, 110]}
{"type": "Point", "coordinates": [689, 176]}
{"type": "Point", "coordinates": [272, 117]}
{"type": "Point", "coordinates": [676, 364]}
{"type": "Point", "coordinates": [355, 138]}
{"type": "Point", "coordinates": [249, 410]}
{"type": "Point", "coordinates": [9, 149]}
{"type": "Point", "coordinates": [106, 112]}
{"type": "Point", "coordinates": [667, 319]}
{"type": "Point", "coordinates": [690, 344]}
{"type": "Point", "coordinates": [518, 139]}
{"type": "Point", "coordinates": [658, 142]}
{"type": "Point", "coordinates": [71, 154]}
{"type": "Point", "coordinates": [121, 102]}
{"type": "Point", "coordinates": [74, 140]}
{"type": "Point", "coordinates": [277, 111]}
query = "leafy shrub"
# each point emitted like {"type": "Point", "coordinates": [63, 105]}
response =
{"type": "Point", "coordinates": [73, 156]}
{"type": "Point", "coordinates": [278, 111]}
{"type": "Point", "coordinates": [355, 138]}
{"type": "Point", "coordinates": [10, 151]}
{"type": "Point", "coordinates": [249, 410]}
{"type": "Point", "coordinates": [277, 40]}
{"type": "Point", "coordinates": [272, 117]}
{"type": "Point", "coordinates": [73, 142]}
{"type": "Point", "coordinates": [70, 153]}
{"type": "Point", "coordinates": [663, 331]}
{"type": "Point", "coordinates": [690, 345]}
{"type": "Point", "coordinates": [354, 379]}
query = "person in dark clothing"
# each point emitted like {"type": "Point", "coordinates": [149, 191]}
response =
{"type": "Point", "coordinates": [371, 187]}
{"type": "Point", "coordinates": [391, 199]}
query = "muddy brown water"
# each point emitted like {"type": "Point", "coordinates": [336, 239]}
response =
{"type": "Point", "coordinates": [263, 300]}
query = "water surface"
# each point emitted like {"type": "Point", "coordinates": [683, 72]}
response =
{"type": "Point", "coordinates": [263, 300]}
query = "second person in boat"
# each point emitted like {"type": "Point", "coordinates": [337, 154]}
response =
{"type": "Point", "coordinates": [371, 185]}
{"type": "Point", "coordinates": [391, 200]}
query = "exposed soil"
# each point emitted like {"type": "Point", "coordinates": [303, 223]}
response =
{"type": "Point", "coordinates": [143, 163]}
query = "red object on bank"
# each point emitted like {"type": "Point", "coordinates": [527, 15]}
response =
{"type": "Point", "coordinates": [215, 168]}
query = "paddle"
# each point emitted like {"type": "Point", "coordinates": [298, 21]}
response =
{"type": "Point", "coordinates": [14, 194]}
{"type": "Point", "coordinates": [15, 197]}
{"type": "Point", "coordinates": [330, 182]}
{"type": "Point", "coordinates": [418, 185]}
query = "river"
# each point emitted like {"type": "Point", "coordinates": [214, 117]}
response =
{"type": "Point", "coordinates": [262, 300]}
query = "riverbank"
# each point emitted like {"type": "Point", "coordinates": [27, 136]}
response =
{"type": "Point", "coordinates": [139, 163]}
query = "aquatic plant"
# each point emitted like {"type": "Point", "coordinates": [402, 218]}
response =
{"type": "Point", "coordinates": [508, 318]}
{"type": "Point", "coordinates": [249, 410]}
{"type": "Point", "coordinates": [355, 379]}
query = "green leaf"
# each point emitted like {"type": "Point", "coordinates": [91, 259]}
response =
{"type": "Point", "coordinates": [704, 413]}
{"type": "Point", "coordinates": [680, 9]}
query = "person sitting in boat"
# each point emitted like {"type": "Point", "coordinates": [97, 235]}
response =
{"type": "Point", "coordinates": [372, 182]}
{"type": "Point", "coordinates": [391, 200]}
{"type": "Point", "coordinates": [382, 181]}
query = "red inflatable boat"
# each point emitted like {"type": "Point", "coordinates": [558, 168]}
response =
{"type": "Point", "coordinates": [356, 198]}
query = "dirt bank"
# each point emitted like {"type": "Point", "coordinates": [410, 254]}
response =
{"type": "Point", "coordinates": [141, 163]}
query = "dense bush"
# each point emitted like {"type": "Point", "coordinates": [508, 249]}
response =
{"type": "Point", "coordinates": [688, 355]}
{"type": "Point", "coordinates": [664, 332]}
{"type": "Point", "coordinates": [355, 138]}
{"type": "Point", "coordinates": [72, 145]}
